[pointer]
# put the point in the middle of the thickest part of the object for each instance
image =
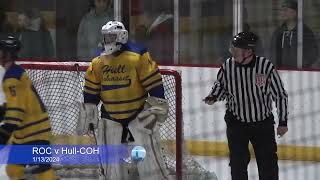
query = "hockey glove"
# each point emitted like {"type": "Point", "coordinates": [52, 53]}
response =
{"type": "Point", "coordinates": [155, 108]}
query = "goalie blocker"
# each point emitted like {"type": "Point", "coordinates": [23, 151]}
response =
{"type": "Point", "coordinates": [145, 130]}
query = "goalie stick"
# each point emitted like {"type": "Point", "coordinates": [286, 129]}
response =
{"type": "Point", "coordinates": [101, 169]}
{"type": "Point", "coordinates": [160, 19]}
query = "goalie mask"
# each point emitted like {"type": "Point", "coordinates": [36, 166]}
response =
{"type": "Point", "coordinates": [114, 36]}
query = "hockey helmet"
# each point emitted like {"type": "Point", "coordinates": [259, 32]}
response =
{"type": "Point", "coordinates": [114, 36]}
{"type": "Point", "coordinates": [10, 45]}
{"type": "Point", "coordinates": [245, 40]}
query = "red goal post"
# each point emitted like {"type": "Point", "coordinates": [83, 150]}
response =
{"type": "Point", "coordinates": [60, 84]}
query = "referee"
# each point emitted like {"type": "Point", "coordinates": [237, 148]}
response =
{"type": "Point", "coordinates": [250, 84]}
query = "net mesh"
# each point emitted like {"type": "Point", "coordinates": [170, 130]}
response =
{"type": "Point", "coordinates": [61, 92]}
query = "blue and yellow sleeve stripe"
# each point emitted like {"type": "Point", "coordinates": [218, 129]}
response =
{"type": "Point", "coordinates": [152, 80]}
{"type": "Point", "coordinates": [92, 88]}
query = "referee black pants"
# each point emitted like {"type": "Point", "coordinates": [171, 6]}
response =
{"type": "Point", "coordinates": [262, 137]}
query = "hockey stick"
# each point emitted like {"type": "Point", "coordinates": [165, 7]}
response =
{"type": "Point", "coordinates": [101, 169]}
{"type": "Point", "coordinates": [91, 125]}
{"type": "Point", "coordinates": [160, 19]}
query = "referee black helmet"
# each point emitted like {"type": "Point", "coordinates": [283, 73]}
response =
{"type": "Point", "coordinates": [245, 40]}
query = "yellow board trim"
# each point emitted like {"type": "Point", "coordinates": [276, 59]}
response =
{"type": "Point", "coordinates": [285, 152]}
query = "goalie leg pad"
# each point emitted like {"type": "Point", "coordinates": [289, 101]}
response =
{"type": "Point", "coordinates": [110, 132]}
{"type": "Point", "coordinates": [153, 166]}
{"type": "Point", "coordinates": [88, 114]}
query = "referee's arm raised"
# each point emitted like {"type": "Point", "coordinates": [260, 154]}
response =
{"type": "Point", "coordinates": [280, 97]}
{"type": "Point", "coordinates": [217, 92]}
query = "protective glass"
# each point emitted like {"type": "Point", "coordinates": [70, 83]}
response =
{"type": "Point", "coordinates": [3, 54]}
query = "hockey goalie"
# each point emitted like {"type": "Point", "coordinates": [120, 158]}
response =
{"type": "Point", "coordinates": [128, 83]}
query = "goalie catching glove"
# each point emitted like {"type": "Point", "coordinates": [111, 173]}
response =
{"type": "Point", "coordinates": [155, 110]}
{"type": "Point", "coordinates": [88, 115]}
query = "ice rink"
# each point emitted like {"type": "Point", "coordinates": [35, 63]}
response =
{"type": "Point", "coordinates": [288, 170]}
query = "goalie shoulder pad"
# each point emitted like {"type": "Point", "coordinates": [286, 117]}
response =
{"type": "Point", "coordinates": [155, 106]}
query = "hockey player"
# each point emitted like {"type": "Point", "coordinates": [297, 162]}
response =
{"type": "Point", "coordinates": [128, 83]}
{"type": "Point", "coordinates": [26, 120]}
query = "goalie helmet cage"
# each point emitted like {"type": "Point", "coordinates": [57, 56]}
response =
{"type": "Point", "coordinates": [60, 86]}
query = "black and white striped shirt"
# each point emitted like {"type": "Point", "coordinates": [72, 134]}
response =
{"type": "Point", "coordinates": [250, 89]}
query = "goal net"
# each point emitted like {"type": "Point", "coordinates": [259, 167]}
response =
{"type": "Point", "coordinates": [60, 86]}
